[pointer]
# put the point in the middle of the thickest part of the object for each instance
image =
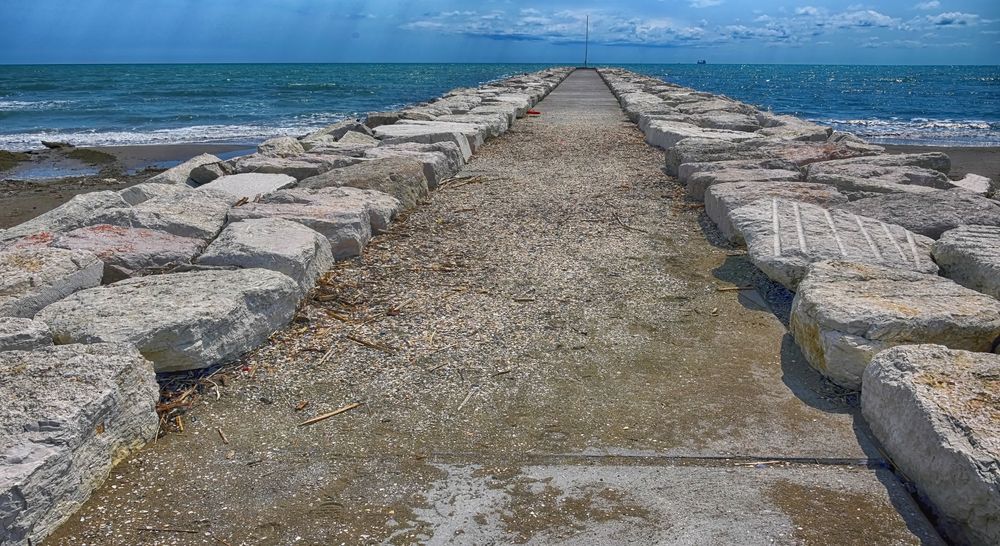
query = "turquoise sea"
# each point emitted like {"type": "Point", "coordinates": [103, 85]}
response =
{"type": "Point", "coordinates": [243, 103]}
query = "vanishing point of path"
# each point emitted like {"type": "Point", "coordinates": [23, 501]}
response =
{"type": "Point", "coordinates": [543, 355]}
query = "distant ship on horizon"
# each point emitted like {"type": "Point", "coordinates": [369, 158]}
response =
{"type": "Point", "coordinates": [702, 62]}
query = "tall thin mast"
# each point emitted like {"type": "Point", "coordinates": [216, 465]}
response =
{"type": "Point", "coordinates": [586, 43]}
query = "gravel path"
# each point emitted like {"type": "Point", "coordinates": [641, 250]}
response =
{"type": "Point", "coordinates": [542, 354]}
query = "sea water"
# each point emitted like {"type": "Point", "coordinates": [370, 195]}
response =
{"type": "Point", "coordinates": [245, 103]}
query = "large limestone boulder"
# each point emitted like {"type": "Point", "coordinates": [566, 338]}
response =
{"type": "Point", "coordinates": [930, 213]}
{"type": "Point", "coordinates": [203, 174]}
{"type": "Point", "coordinates": [440, 161]}
{"type": "Point", "coordinates": [127, 252]}
{"type": "Point", "coordinates": [935, 161]}
{"type": "Point", "coordinates": [666, 134]}
{"type": "Point", "coordinates": [698, 183]}
{"type": "Point", "coordinates": [784, 237]}
{"type": "Point", "coordinates": [701, 150]}
{"type": "Point", "coordinates": [970, 256]}
{"type": "Point", "coordinates": [196, 214]}
{"type": "Point", "coordinates": [353, 144]}
{"type": "Point", "coordinates": [792, 128]}
{"type": "Point", "coordinates": [400, 177]}
{"type": "Point", "coordinates": [182, 321]}
{"type": "Point", "coordinates": [729, 121]}
{"type": "Point", "coordinates": [272, 243]}
{"type": "Point", "coordinates": [70, 413]}
{"type": "Point", "coordinates": [714, 104]}
{"type": "Point", "coordinates": [974, 183]}
{"type": "Point", "coordinates": [180, 174]}
{"type": "Point", "coordinates": [494, 124]}
{"type": "Point", "coordinates": [378, 119]}
{"type": "Point", "coordinates": [250, 186]}
{"type": "Point", "coordinates": [347, 217]}
{"type": "Point", "coordinates": [936, 412]}
{"type": "Point", "coordinates": [298, 167]}
{"type": "Point", "coordinates": [722, 199]}
{"type": "Point", "coordinates": [338, 130]}
{"type": "Point", "coordinates": [23, 334]}
{"type": "Point", "coordinates": [474, 134]}
{"type": "Point", "coordinates": [398, 133]}
{"type": "Point", "coordinates": [507, 110]}
{"type": "Point", "coordinates": [280, 147]}
{"type": "Point", "coordinates": [844, 313]}
{"type": "Point", "coordinates": [32, 278]}
{"type": "Point", "coordinates": [859, 180]}
{"type": "Point", "coordinates": [77, 212]}
{"type": "Point", "coordinates": [140, 193]}
{"type": "Point", "coordinates": [687, 170]}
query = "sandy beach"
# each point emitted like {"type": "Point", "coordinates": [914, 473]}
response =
{"type": "Point", "coordinates": [51, 177]}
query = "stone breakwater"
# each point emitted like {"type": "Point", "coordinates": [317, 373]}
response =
{"type": "Point", "coordinates": [894, 268]}
{"type": "Point", "coordinates": [191, 269]}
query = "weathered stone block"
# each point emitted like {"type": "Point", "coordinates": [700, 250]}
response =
{"type": "Point", "coordinates": [936, 412]}
{"type": "Point", "coordinates": [70, 413]}
{"type": "Point", "coordinates": [970, 256]}
{"type": "Point", "coordinates": [32, 278]}
{"type": "Point", "coordinates": [722, 199]}
{"type": "Point", "coordinates": [23, 334]}
{"type": "Point", "coordinates": [698, 183]}
{"type": "Point", "coordinates": [931, 213]}
{"type": "Point", "coordinates": [250, 186]}
{"type": "Point", "coordinates": [400, 177]}
{"type": "Point", "coordinates": [844, 313]}
{"type": "Point", "coordinates": [127, 252]}
{"type": "Point", "coordinates": [182, 321]}
{"type": "Point", "coordinates": [272, 243]}
{"type": "Point", "coordinates": [784, 237]}
{"type": "Point", "coordinates": [182, 173]}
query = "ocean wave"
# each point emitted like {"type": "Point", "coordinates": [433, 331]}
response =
{"type": "Point", "coordinates": [25, 106]}
{"type": "Point", "coordinates": [965, 132]}
{"type": "Point", "coordinates": [236, 134]}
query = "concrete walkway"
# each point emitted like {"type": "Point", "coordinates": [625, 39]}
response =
{"type": "Point", "coordinates": [544, 356]}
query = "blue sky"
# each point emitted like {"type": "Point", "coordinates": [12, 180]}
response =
{"type": "Point", "coordinates": [721, 31]}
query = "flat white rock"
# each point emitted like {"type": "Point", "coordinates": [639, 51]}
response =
{"type": "Point", "coordinates": [722, 199]}
{"type": "Point", "coordinates": [970, 256]}
{"type": "Point", "coordinates": [33, 278]}
{"type": "Point", "coordinates": [250, 185]}
{"type": "Point", "coordinates": [784, 237]}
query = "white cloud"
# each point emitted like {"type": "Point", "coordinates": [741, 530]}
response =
{"type": "Point", "coordinates": [953, 18]}
{"type": "Point", "coordinates": [928, 5]}
{"type": "Point", "coordinates": [704, 3]}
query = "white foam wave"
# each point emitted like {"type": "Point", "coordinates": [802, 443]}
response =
{"type": "Point", "coordinates": [24, 106]}
{"type": "Point", "coordinates": [237, 134]}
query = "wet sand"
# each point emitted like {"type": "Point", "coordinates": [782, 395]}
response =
{"type": "Point", "coordinates": [51, 177]}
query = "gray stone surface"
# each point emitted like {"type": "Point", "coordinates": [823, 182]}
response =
{"type": "Point", "coordinates": [70, 413]}
{"type": "Point", "coordinates": [23, 334]}
{"type": "Point", "coordinates": [318, 161]}
{"type": "Point", "coordinates": [792, 128]}
{"type": "Point", "coordinates": [474, 134]}
{"type": "Point", "coordinates": [698, 183]}
{"type": "Point", "coordinates": [844, 313]}
{"type": "Point", "coordinates": [859, 180]}
{"type": "Point", "coordinates": [339, 130]}
{"type": "Point", "coordinates": [182, 321]}
{"type": "Point", "coordinates": [931, 213]}
{"type": "Point", "coordinates": [280, 147]}
{"type": "Point", "coordinates": [442, 160]}
{"type": "Point", "coordinates": [970, 256]}
{"type": "Point", "coordinates": [666, 134]}
{"type": "Point", "coordinates": [936, 412]}
{"type": "Point", "coordinates": [700, 150]}
{"type": "Point", "coordinates": [784, 237]}
{"type": "Point", "coordinates": [935, 161]}
{"type": "Point", "coordinates": [182, 173]}
{"type": "Point", "coordinates": [77, 212]}
{"type": "Point", "coordinates": [495, 124]}
{"type": "Point", "coordinates": [423, 134]}
{"type": "Point", "coordinates": [347, 217]}
{"type": "Point", "coordinates": [400, 177]}
{"type": "Point", "coordinates": [32, 278]}
{"type": "Point", "coordinates": [507, 110]}
{"type": "Point", "coordinates": [250, 186]}
{"type": "Point", "coordinates": [203, 174]}
{"type": "Point", "coordinates": [974, 183]}
{"type": "Point", "coordinates": [140, 193]}
{"type": "Point", "coordinates": [127, 251]}
{"type": "Point", "coordinates": [730, 121]}
{"type": "Point", "coordinates": [378, 119]}
{"type": "Point", "coordinates": [198, 214]}
{"type": "Point", "coordinates": [722, 199]}
{"type": "Point", "coordinates": [272, 243]}
{"type": "Point", "coordinates": [686, 170]}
